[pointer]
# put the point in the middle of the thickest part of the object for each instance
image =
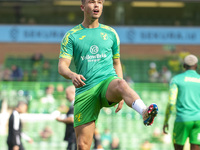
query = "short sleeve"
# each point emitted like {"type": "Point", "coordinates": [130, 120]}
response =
{"type": "Point", "coordinates": [66, 49]}
{"type": "Point", "coordinates": [116, 45]}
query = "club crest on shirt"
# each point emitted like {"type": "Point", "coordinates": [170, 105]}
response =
{"type": "Point", "coordinates": [94, 49]}
{"type": "Point", "coordinates": [78, 117]}
{"type": "Point", "coordinates": [104, 36]}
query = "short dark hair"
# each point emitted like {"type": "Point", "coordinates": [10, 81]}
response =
{"type": "Point", "coordinates": [83, 1]}
{"type": "Point", "coordinates": [186, 66]}
{"type": "Point", "coordinates": [21, 103]}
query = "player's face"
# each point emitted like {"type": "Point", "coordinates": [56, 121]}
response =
{"type": "Point", "coordinates": [92, 8]}
{"type": "Point", "coordinates": [70, 94]}
{"type": "Point", "coordinates": [23, 108]}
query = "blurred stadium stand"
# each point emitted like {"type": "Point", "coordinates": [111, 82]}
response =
{"type": "Point", "coordinates": [137, 69]}
{"type": "Point", "coordinates": [126, 125]}
{"type": "Point", "coordinates": [128, 12]}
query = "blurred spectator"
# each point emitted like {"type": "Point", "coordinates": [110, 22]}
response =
{"type": "Point", "coordinates": [115, 144]}
{"type": "Point", "coordinates": [182, 54]}
{"type": "Point", "coordinates": [37, 59]}
{"type": "Point", "coordinates": [165, 75]}
{"type": "Point", "coordinates": [26, 75]}
{"type": "Point", "coordinates": [17, 73]}
{"type": "Point", "coordinates": [15, 128]}
{"type": "Point", "coordinates": [46, 133]}
{"type": "Point", "coordinates": [177, 23]}
{"type": "Point", "coordinates": [60, 88]}
{"type": "Point", "coordinates": [22, 96]}
{"type": "Point", "coordinates": [22, 20]}
{"type": "Point", "coordinates": [48, 98]}
{"type": "Point", "coordinates": [31, 21]}
{"type": "Point", "coordinates": [59, 95]}
{"type": "Point", "coordinates": [70, 136]}
{"type": "Point", "coordinates": [153, 73]}
{"type": "Point", "coordinates": [6, 76]}
{"type": "Point", "coordinates": [97, 140]}
{"type": "Point", "coordinates": [174, 64]}
{"type": "Point", "coordinates": [46, 68]}
{"type": "Point", "coordinates": [146, 145]}
{"type": "Point", "coordinates": [34, 75]}
{"type": "Point", "coordinates": [48, 101]}
{"type": "Point", "coordinates": [106, 139]}
{"type": "Point", "coordinates": [63, 108]}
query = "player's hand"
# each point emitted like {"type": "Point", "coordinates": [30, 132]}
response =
{"type": "Point", "coordinates": [16, 147]}
{"type": "Point", "coordinates": [165, 127]}
{"type": "Point", "coordinates": [58, 119]}
{"type": "Point", "coordinates": [77, 80]}
{"type": "Point", "coordinates": [119, 107]}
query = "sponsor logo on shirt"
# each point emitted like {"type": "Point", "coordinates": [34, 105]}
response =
{"type": "Point", "coordinates": [95, 57]}
{"type": "Point", "coordinates": [82, 37]}
{"type": "Point", "coordinates": [190, 79]}
{"type": "Point", "coordinates": [94, 49]}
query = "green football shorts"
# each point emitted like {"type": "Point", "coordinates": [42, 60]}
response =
{"type": "Point", "coordinates": [183, 130]}
{"type": "Point", "coordinates": [88, 104]}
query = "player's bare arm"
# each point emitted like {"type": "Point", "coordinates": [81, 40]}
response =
{"type": "Point", "coordinates": [118, 68]}
{"type": "Point", "coordinates": [63, 69]}
{"type": "Point", "coordinates": [66, 120]}
{"type": "Point", "coordinates": [173, 92]}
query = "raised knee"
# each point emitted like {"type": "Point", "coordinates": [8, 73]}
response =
{"type": "Point", "coordinates": [82, 146]}
{"type": "Point", "coordinates": [122, 85]}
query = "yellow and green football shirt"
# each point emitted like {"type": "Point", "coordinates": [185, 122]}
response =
{"type": "Point", "coordinates": [185, 94]}
{"type": "Point", "coordinates": [93, 51]}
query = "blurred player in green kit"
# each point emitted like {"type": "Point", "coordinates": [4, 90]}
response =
{"type": "Point", "coordinates": [99, 82]}
{"type": "Point", "coordinates": [185, 95]}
